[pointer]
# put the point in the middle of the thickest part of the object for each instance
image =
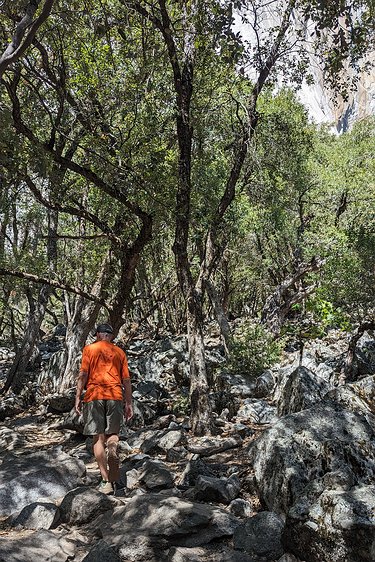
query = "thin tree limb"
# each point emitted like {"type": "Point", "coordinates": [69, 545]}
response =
{"type": "Point", "coordinates": [55, 284]}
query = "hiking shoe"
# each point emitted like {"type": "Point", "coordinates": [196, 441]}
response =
{"type": "Point", "coordinates": [113, 465]}
{"type": "Point", "coordinates": [105, 487]}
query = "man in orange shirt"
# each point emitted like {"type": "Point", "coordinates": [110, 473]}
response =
{"type": "Point", "coordinates": [105, 375]}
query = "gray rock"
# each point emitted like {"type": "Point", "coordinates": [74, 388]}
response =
{"type": "Point", "coordinates": [207, 446]}
{"type": "Point", "coordinates": [287, 557]}
{"type": "Point", "coordinates": [356, 397]}
{"type": "Point", "coordinates": [70, 420]}
{"type": "Point", "coordinates": [193, 470]}
{"type": "Point", "coordinates": [301, 390]}
{"type": "Point", "coordinates": [62, 403]}
{"type": "Point", "coordinates": [10, 440]}
{"type": "Point", "coordinates": [318, 466]}
{"type": "Point", "coordinates": [167, 421]}
{"type": "Point", "coordinates": [149, 389]}
{"type": "Point", "coordinates": [241, 508]}
{"type": "Point", "coordinates": [172, 439]}
{"type": "Point", "coordinates": [83, 504]}
{"type": "Point", "coordinates": [264, 385]}
{"type": "Point", "coordinates": [257, 411]}
{"type": "Point", "coordinates": [164, 361]}
{"type": "Point", "coordinates": [43, 546]}
{"type": "Point", "coordinates": [236, 385]}
{"type": "Point", "coordinates": [162, 440]}
{"type": "Point", "coordinates": [146, 439]}
{"type": "Point", "coordinates": [261, 536]}
{"type": "Point", "coordinates": [242, 430]}
{"type": "Point", "coordinates": [176, 454]}
{"type": "Point", "coordinates": [132, 478]}
{"type": "Point", "coordinates": [38, 516]}
{"type": "Point", "coordinates": [222, 490]}
{"type": "Point", "coordinates": [38, 476]}
{"type": "Point", "coordinates": [155, 475]}
{"type": "Point", "coordinates": [365, 355]}
{"type": "Point", "coordinates": [102, 552]}
{"type": "Point", "coordinates": [181, 522]}
{"type": "Point", "coordinates": [292, 458]}
{"type": "Point", "coordinates": [10, 406]}
{"type": "Point", "coordinates": [142, 415]}
{"type": "Point", "coordinates": [143, 549]}
{"type": "Point", "coordinates": [208, 554]}
{"type": "Point", "coordinates": [345, 519]}
{"type": "Point", "coordinates": [59, 330]}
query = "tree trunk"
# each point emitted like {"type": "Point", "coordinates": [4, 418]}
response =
{"type": "Point", "coordinates": [200, 417]}
{"type": "Point", "coordinates": [78, 329]}
{"type": "Point", "coordinates": [182, 64]}
{"type": "Point", "coordinates": [221, 317]}
{"type": "Point", "coordinates": [129, 258]}
{"type": "Point", "coordinates": [16, 373]}
{"type": "Point", "coordinates": [61, 373]}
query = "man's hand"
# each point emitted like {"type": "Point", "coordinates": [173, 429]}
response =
{"type": "Point", "coordinates": [78, 406]}
{"type": "Point", "coordinates": [128, 411]}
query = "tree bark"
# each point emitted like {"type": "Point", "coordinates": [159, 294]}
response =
{"type": "Point", "coordinates": [200, 417]}
{"type": "Point", "coordinates": [16, 373]}
{"type": "Point", "coordinates": [79, 326]}
{"type": "Point", "coordinates": [61, 373]}
{"type": "Point", "coordinates": [129, 257]}
{"type": "Point", "coordinates": [221, 317]}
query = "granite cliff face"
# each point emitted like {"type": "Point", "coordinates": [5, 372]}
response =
{"type": "Point", "coordinates": [323, 104]}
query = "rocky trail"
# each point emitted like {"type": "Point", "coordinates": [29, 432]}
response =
{"type": "Point", "coordinates": [287, 476]}
{"type": "Point", "coordinates": [32, 435]}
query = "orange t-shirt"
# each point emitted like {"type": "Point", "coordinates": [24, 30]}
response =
{"type": "Point", "coordinates": [107, 366]}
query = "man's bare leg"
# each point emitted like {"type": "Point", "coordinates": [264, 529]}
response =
{"type": "Point", "coordinates": [113, 458]}
{"type": "Point", "coordinates": [112, 441]}
{"type": "Point", "coordinates": [100, 454]}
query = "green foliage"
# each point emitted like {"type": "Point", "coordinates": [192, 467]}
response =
{"type": "Point", "coordinates": [342, 228]}
{"type": "Point", "coordinates": [315, 319]}
{"type": "Point", "coordinates": [268, 217]}
{"type": "Point", "coordinates": [326, 315]}
{"type": "Point", "coordinates": [103, 86]}
{"type": "Point", "coordinates": [343, 34]}
{"type": "Point", "coordinates": [252, 350]}
{"type": "Point", "coordinates": [181, 406]}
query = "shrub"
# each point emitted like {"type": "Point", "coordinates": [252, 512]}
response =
{"type": "Point", "coordinates": [252, 350]}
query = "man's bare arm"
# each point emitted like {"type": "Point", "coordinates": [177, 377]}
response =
{"type": "Point", "coordinates": [81, 383]}
{"type": "Point", "coordinates": [128, 406]}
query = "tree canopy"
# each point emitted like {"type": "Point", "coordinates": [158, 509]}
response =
{"type": "Point", "coordinates": [152, 175]}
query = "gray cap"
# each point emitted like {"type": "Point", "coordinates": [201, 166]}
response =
{"type": "Point", "coordinates": [104, 329]}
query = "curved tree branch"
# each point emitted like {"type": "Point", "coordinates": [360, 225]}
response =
{"type": "Point", "coordinates": [82, 213]}
{"type": "Point", "coordinates": [20, 42]}
{"type": "Point", "coordinates": [114, 191]}
{"type": "Point", "coordinates": [55, 284]}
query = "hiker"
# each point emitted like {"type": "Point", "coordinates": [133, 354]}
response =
{"type": "Point", "coordinates": [105, 375]}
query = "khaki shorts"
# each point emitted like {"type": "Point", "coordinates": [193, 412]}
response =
{"type": "Point", "coordinates": [102, 416]}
